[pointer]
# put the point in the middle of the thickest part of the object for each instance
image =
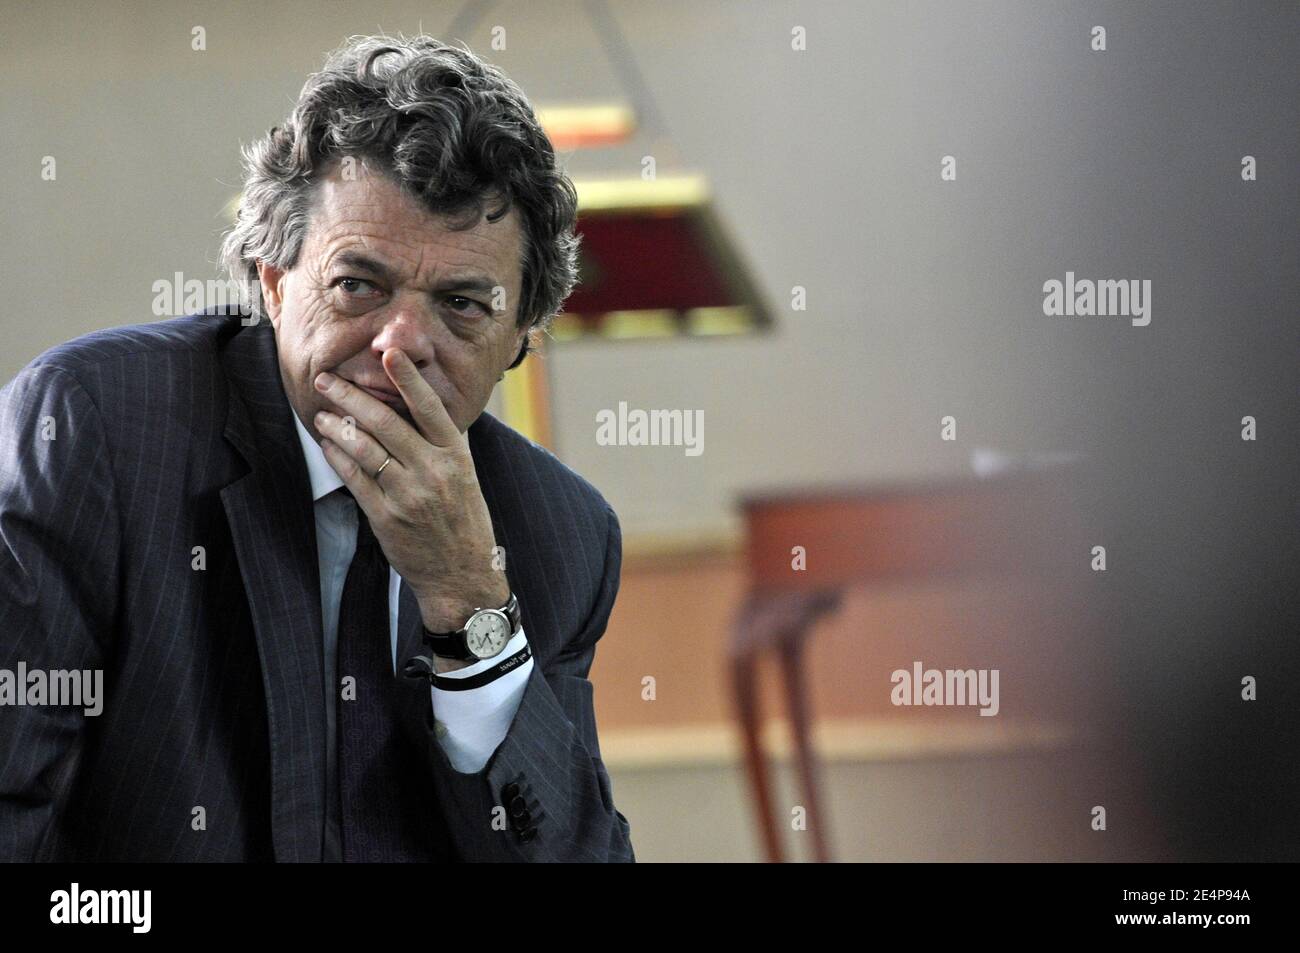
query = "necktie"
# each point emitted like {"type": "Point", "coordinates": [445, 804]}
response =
{"type": "Point", "coordinates": [385, 813]}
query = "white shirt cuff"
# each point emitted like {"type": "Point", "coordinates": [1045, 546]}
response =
{"type": "Point", "coordinates": [471, 724]}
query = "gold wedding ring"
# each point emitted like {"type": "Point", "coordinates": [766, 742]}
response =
{"type": "Point", "coordinates": [382, 465]}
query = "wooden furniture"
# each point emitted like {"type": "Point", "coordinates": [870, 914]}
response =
{"type": "Point", "coordinates": [851, 536]}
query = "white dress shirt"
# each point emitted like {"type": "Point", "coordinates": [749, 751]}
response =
{"type": "Point", "coordinates": [471, 724]}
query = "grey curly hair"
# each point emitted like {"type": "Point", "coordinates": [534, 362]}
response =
{"type": "Point", "coordinates": [451, 128]}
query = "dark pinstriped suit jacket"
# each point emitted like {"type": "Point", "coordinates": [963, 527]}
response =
{"type": "Point", "coordinates": [178, 434]}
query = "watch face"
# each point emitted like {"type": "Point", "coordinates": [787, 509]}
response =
{"type": "Point", "coordinates": [487, 633]}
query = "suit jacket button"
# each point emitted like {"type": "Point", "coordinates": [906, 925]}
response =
{"type": "Point", "coordinates": [518, 806]}
{"type": "Point", "coordinates": [520, 821]}
{"type": "Point", "coordinates": [527, 834]}
{"type": "Point", "coordinates": [511, 790]}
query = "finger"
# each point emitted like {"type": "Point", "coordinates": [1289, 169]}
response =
{"type": "Point", "coordinates": [375, 417]}
{"type": "Point", "coordinates": [369, 453]}
{"type": "Point", "coordinates": [426, 406]}
{"type": "Point", "coordinates": [368, 494]}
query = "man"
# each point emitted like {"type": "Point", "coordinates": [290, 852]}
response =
{"type": "Point", "coordinates": [341, 613]}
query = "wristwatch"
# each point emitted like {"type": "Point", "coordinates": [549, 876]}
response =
{"type": "Point", "coordinates": [484, 636]}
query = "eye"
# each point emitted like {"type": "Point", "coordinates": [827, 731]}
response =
{"type": "Point", "coordinates": [349, 285]}
{"type": "Point", "coordinates": [466, 304]}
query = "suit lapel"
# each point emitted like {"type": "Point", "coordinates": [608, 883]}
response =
{"type": "Point", "coordinates": [273, 526]}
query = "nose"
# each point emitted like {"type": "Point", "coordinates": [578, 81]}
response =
{"type": "Point", "coordinates": [404, 328]}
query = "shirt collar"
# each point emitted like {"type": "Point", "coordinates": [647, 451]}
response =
{"type": "Point", "coordinates": [323, 478]}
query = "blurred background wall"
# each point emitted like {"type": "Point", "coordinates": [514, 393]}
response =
{"type": "Point", "coordinates": [924, 300]}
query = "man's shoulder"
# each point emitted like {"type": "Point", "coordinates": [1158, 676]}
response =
{"type": "Point", "coordinates": [134, 364]}
{"type": "Point", "coordinates": [132, 344]}
{"type": "Point", "coordinates": [519, 465]}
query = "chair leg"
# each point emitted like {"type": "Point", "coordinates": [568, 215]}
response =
{"type": "Point", "coordinates": [801, 725]}
{"type": "Point", "coordinates": [745, 690]}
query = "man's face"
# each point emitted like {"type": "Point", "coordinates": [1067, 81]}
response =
{"type": "Point", "coordinates": [378, 271]}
